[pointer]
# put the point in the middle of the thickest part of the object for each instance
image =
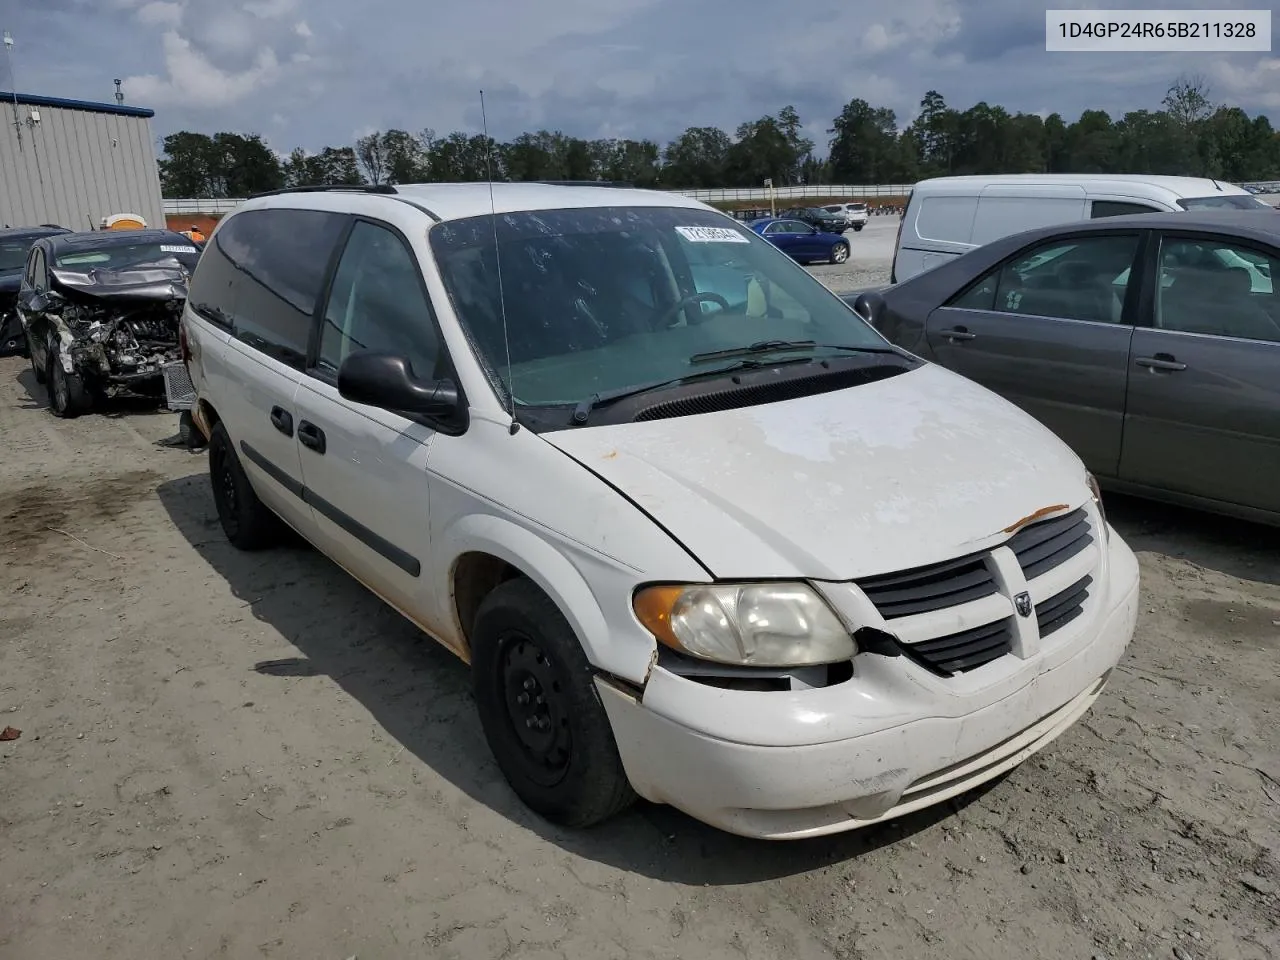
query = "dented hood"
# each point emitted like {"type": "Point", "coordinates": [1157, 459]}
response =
{"type": "Point", "coordinates": [891, 475]}
{"type": "Point", "coordinates": [160, 281]}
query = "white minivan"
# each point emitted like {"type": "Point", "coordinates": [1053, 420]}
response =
{"type": "Point", "coordinates": [701, 533]}
{"type": "Point", "coordinates": [947, 216]}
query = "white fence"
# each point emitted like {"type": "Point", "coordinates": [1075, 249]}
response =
{"type": "Point", "coordinates": [727, 194]}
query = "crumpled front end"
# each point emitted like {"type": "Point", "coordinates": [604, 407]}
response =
{"type": "Point", "coordinates": [118, 344]}
{"type": "Point", "coordinates": [118, 330]}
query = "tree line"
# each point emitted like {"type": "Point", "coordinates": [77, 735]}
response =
{"type": "Point", "coordinates": [1188, 135]}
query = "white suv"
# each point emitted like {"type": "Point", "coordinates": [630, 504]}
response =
{"type": "Point", "coordinates": [701, 533]}
{"type": "Point", "coordinates": [855, 214]}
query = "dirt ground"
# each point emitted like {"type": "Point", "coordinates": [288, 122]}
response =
{"type": "Point", "coordinates": [224, 755]}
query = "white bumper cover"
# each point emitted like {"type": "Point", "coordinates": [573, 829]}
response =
{"type": "Point", "coordinates": [907, 755]}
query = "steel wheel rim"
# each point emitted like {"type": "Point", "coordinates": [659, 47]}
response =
{"type": "Point", "coordinates": [534, 704]}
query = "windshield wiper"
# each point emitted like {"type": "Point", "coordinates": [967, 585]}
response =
{"type": "Point", "coordinates": [770, 346]}
{"type": "Point", "coordinates": [582, 412]}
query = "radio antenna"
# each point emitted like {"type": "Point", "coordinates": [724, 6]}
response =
{"type": "Point", "coordinates": [497, 259]}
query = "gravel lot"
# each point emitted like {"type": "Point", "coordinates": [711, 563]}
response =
{"type": "Point", "coordinates": [250, 756]}
{"type": "Point", "coordinates": [870, 257]}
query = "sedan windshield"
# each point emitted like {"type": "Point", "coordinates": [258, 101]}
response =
{"type": "Point", "coordinates": [123, 256]}
{"type": "Point", "coordinates": [1223, 201]}
{"type": "Point", "coordinates": [602, 299]}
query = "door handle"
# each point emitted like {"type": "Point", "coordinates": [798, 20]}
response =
{"type": "Point", "coordinates": [959, 333]}
{"type": "Point", "coordinates": [311, 436]}
{"type": "Point", "coordinates": [1161, 361]}
{"type": "Point", "coordinates": [282, 420]}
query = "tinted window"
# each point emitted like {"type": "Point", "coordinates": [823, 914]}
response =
{"type": "Point", "coordinates": [1116, 208]}
{"type": "Point", "coordinates": [1080, 279]}
{"type": "Point", "coordinates": [377, 303]}
{"type": "Point", "coordinates": [13, 255]}
{"type": "Point", "coordinates": [37, 279]}
{"type": "Point", "coordinates": [278, 259]}
{"type": "Point", "coordinates": [1224, 289]}
{"type": "Point", "coordinates": [116, 255]}
{"type": "Point", "coordinates": [599, 299]}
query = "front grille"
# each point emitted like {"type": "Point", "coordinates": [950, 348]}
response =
{"type": "Point", "coordinates": [1060, 609]}
{"type": "Point", "coordinates": [1049, 543]}
{"type": "Point", "coordinates": [935, 587]}
{"type": "Point", "coordinates": [963, 651]}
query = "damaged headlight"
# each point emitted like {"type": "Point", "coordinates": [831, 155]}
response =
{"type": "Point", "coordinates": [753, 624]}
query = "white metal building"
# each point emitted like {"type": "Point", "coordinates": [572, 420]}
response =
{"type": "Point", "coordinates": [72, 162]}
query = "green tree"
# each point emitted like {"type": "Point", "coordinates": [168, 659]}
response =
{"type": "Point", "coordinates": [865, 148]}
{"type": "Point", "coordinates": [697, 158]}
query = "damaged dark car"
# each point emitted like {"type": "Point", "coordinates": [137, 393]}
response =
{"type": "Point", "coordinates": [15, 244]}
{"type": "Point", "coordinates": [101, 313]}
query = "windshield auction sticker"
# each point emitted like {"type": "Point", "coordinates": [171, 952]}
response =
{"type": "Point", "coordinates": [1159, 31]}
{"type": "Point", "coordinates": [711, 235]}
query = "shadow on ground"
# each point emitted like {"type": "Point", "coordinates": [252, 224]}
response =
{"type": "Point", "coordinates": [420, 694]}
{"type": "Point", "coordinates": [1236, 548]}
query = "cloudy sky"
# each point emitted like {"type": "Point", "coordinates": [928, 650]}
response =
{"type": "Point", "coordinates": [315, 72]}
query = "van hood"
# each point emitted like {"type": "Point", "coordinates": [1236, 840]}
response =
{"type": "Point", "coordinates": [891, 475]}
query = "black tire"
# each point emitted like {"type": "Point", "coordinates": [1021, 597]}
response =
{"type": "Point", "coordinates": [248, 523]}
{"type": "Point", "coordinates": [68, 397]}
{"type": "Point", "coordinates": [840, 252]}
{"type": "Point", "coordinates": [857, 227]}
{"type": "Point", "coordinates": [567, 770]}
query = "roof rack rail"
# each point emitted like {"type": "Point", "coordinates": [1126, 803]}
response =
{"type": "Point", "coordinates": [382, 188]}
{"type": "Point", "coordinates": [587, 183]}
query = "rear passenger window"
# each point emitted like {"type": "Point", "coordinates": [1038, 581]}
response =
{"type": "Point", "coordinates": [1117, 208]}
{"type": "Point", "coordinates": [270, 278]}
{"type": "Point", "coordinates": [946, 218]}
{"type": "Point", "coordinates": [1081, 279]}
{"type": "Point", "coordinates": [377, 303]}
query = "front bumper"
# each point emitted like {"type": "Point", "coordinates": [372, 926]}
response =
{"type": "Point", "coordinates": [911, 750]}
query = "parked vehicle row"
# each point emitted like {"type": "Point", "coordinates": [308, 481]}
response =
{"type": "Point", "coordinates": [701, 533]}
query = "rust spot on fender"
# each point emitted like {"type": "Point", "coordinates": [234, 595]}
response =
{"type": "Point", "coordinates": [610, 455]}
{"type": "Point", "coordinates": [1042, 512]}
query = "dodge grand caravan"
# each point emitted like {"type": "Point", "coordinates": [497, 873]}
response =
{"type": "Point", "coordinates": [701, 533]}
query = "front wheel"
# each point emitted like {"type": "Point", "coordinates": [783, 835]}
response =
{"type": "Point", "coordinates": [248, 523]}
{"type": "Point", "coordinates": [36, 370]}
{"type": "Point", "coordinates": [540, 709]}
{"type": "Point", "coordinates": [840, 252]}
{"type": "Point", "coordinates": [68, 397]}
{"type": "Point", "coordinates": [857, 227]}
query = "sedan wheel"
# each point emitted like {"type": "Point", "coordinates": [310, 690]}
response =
{"type": "Point", "coordinates": [840, 252]}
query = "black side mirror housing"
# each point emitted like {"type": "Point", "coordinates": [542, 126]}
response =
{"type": "Point", "coordinates": [386, 380]}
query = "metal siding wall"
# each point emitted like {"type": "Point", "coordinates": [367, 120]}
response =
{"type": "Point", "coordinates": [68, 171]}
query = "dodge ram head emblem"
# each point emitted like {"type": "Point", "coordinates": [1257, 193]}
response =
{"type": "Point", "coordinates": [1022, 603]}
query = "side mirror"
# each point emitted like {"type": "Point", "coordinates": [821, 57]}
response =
{"type": "Point", "coordinates": [386, 380]}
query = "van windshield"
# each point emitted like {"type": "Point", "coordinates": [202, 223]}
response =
{"type": "Point", "coordinates": [1223, 201]}
{"type": "Point", "coordinates": [601, 299]}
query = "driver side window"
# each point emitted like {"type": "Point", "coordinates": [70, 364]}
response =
{"type": "Point", "coordinates": [377, 303]}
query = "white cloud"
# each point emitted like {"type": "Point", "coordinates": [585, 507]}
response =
{"type": "Point", "coordinates": [160, 14]}
{"type": "Point", "coordinates": [271, 9]}
{"type": "Point", "coordinates": [192, 80]}
{"type": "Point", "coordinates": [1259, 82]}
{"type": "Point", "coordinates": [302, 30]}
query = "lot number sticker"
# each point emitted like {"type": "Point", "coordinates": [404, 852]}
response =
{"type": "Point", "coordinates": [711, 235]}
{"type": "Point", "coordinates": [174, 248]}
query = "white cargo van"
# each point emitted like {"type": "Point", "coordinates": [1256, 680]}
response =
{"type": "Point", "coordinates": [947, 216]}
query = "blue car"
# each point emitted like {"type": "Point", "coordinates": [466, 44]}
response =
{"type": "Point", "coordinates": [802, 242]}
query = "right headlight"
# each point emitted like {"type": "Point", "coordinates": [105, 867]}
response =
{"type": "Point", "coordinates": [750, 624]}
{"type": "Point", "coordinates": [1096, 491]}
